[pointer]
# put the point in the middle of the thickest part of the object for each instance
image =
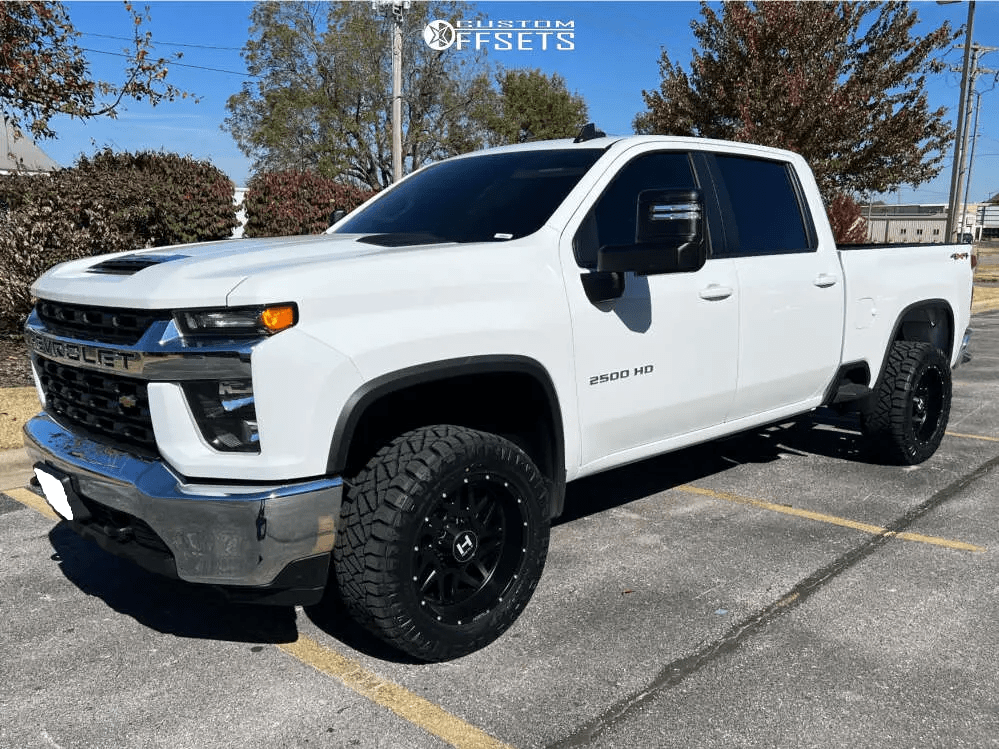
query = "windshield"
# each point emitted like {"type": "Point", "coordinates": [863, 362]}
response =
{"type": "Point", "coordinates": [478, 199]}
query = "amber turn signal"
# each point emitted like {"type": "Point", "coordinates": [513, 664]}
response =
{"type": "Point", "coordinates": [278, 318]}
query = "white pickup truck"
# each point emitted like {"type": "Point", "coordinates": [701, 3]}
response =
{"type": "Point", "coordinates": [397, 405]}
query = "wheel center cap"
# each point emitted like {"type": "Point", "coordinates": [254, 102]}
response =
{"type": "Point", "coordinates": [465, 545]}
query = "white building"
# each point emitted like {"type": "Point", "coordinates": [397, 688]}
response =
{"type": "Point", "coordinates": [920, 224]}
{"type": "Point", "coordinates": [21, 155]}
{"type": "Point", "coordinates": [238, 198]}
{"type": "Point", "coordinates": [906, 224]}
{"type": "Point", "coordinates": [988, 219]}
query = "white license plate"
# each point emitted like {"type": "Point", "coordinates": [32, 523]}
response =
{"type": "Point", "coordinates": [55, 493]}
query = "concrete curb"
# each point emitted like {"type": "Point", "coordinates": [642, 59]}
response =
{"type": "Point", "coordinates": [15, 469]}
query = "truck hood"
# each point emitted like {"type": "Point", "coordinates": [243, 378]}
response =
{"type": "Point", "coordinates": [197, 274]}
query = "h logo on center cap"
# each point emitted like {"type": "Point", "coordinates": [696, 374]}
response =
{"type": "Point", "coordinates": [464, 546]}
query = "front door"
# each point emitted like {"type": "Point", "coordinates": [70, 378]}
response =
{"type": "Point", "coordinates": [660, 361]}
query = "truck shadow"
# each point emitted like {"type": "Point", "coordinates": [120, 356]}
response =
{"type": "Point", "coordinates": [165, 605]}
{"type": "Point", "coordinates": [195, 611]}
{"type": "Point", "coordinates": [186, 610]}
{"type": "Point", "coordinates": [823, 433]}
{"type": "Point", "coordinates": [332, 617]}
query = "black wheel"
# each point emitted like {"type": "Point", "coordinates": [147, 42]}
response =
{"type": "Point", "coordinates": [909, 416]}
{"type": "Point", "coordinates": [443, 536]}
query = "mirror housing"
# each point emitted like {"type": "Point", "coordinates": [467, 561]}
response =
{"type": "Point", "coordinates": [602, 287]}
{"type": "Point", "coordinates": [336, 216]}
{"type": "Point", "coordinates": [669, 236]}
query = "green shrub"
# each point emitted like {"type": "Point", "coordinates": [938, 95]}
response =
{"type": "Point", "coordinates": [289, 203]}
{"type": "Point", "coordinates": [32, 239]}
{"type": "Point", "coordinates": [160, 199]}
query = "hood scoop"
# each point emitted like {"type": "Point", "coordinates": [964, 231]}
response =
{"type": "Point", "coordinates": [126, 265]}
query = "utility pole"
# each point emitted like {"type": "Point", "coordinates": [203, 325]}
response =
{"type": "Point", "coordinates": [955, 182]}
{"type": "Point", "coordinates": [396, 8]}
{"type": "Point", "coordinates": [977, 51]}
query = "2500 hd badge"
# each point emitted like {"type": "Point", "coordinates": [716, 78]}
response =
{"type": "Point", "coordinates": [622, 374]}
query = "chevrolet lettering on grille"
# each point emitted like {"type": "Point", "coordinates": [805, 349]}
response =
{"type": "Point", "coordinates": [76, 353]}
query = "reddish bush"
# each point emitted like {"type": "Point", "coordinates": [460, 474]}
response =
{"type": "Point", "coordinates": [287, 203]}
{"type": "Point", "coordinates": [848, 223]}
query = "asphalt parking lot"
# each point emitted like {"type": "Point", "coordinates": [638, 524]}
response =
{"type": "Point", "coordinates": [773, 589]}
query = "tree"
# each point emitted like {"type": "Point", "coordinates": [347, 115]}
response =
{"type": "Point", "coordinates": [43, 73]}
{"type": "Point", "coordinates": [531, 106]}
{"type": "Point", "coordinates": [842, 83]}
{"type": "Point", "coordinates": [321, 100]}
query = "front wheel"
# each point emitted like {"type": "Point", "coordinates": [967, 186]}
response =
{"type": "Point", "coordinates": [909, 416]}
{"type": "Point", "coordinates": [443, 538]}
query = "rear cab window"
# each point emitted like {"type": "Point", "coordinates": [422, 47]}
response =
{"type": "Point", "coordinates": [764, 207]}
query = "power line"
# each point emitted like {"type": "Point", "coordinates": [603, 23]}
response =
{"type": "Point", "coordinates": [157, 41]}
{"type": "Point", "coordinates": [176, 64]}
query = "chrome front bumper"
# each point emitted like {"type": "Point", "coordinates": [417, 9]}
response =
{"type": "Point", "coordinates": [271, 536]}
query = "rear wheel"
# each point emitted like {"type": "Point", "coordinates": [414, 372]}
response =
{"type": "Point", "coordinates": [443, 538]}
{"type": "Point", "coordinates": [912, 405]}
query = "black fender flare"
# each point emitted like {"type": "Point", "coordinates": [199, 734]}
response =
{"type": "Point", "coordinates": [391, 382]}
{"type": "Point", "coordinates": [896, 328]}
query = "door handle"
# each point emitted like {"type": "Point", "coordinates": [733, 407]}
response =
{"type": "Point", "coordinates": [714, 292]}
{"type": "Point", "coordinates": [825, 280]}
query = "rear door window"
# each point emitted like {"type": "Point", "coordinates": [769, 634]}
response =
{"type": "Point", "coordinates": [765, 207]}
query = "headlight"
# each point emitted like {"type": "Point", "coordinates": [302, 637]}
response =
{"type": "Point", "coordinates": [237, 322]}
{"type": "Point", "coordinates": [225, 413]}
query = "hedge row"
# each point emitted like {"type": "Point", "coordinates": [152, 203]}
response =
{"type": "Point", "coordinates": [287, 203]}
{"type": "Point", "coordinates": [115, 202]}
{"type": "Point", "coordinates": [108, 203]}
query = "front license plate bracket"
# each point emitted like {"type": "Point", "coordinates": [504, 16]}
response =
{"type": "Point", "coordinates": [57, 488]}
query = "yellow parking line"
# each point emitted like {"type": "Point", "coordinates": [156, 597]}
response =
{"type": "Point", "coordinates": [32, 500]}
{"type": "Point", "coordinates": [972, 437]}
{"type": "Point", "coordinates": [411, 707]}
{"type": "Point", "coordinates": [831, 519]}
{"type": "Point", "coordinates": [934, 540]}
{"type": "Point", "coordinates": [408, 706]}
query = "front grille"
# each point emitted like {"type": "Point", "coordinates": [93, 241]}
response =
{"type": "Point", "coordinates": [101, 324]}
{"type": "Point", "coordinates": [113, 407]}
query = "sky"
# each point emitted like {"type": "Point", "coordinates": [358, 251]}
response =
{"type": "Point", "coordinates": [615, 55]}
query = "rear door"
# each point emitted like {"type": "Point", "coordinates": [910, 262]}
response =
{"type": "Point", "coordinates": [791, 288]}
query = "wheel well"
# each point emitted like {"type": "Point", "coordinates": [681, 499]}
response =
{"type": "Point", "coordinates": [514, 405]}
{"type": "Point", "coordinates": [932, 322]}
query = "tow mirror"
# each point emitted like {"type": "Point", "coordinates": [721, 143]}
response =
{"type": "Point", "coordinates": [669, 236]}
